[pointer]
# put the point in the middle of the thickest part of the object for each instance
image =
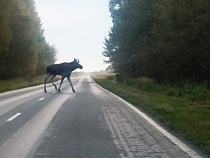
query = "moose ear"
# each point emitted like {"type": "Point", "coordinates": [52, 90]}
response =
{"type": "Point", "coordinates": [77, 60]}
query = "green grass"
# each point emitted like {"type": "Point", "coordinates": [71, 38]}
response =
{"type": "Point", "coordinates": [13, 84]}
{"type": "Point", "coordinates": [184, 110]}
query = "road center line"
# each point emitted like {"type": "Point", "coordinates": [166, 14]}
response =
{"type": "Point", "coordinates": [27, 136]}
{"type": "Point", "coordinates": [13, 117]}
{"type": "Point", "coordinates": [41, 99]}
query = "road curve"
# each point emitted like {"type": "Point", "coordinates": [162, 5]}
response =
{"type": "Point", "coordinates": [90, 123]}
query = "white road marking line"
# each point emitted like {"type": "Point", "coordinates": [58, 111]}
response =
{"type": "Point", "coordinates": [13, 117]}
{"type": "Point", "coordinates": [170, 136]}
{"type": "Point", "coordinates": [28, 136]}
{"type": "Point", "coordinates": [54, 92]}
{"type": "Point", "coordinates": [41, 99]}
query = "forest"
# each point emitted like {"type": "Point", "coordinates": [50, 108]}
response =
{"type": "Point", "coordinates": [24, 50]}
{"type": "Point", "coordinates": [164, 40]}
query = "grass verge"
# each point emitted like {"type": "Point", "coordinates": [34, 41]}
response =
{"type": "Point", "coordinates": [13, 84]}
{"type": "Point", "coordinates": [184, 110]}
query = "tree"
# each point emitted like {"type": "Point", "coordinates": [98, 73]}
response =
{"type": "Point", "coordinates": [177, 49]}
{"type": "Point", "coordinates": [20, 31]}
{"type": "Point", "coordinates": [5, 31]}
{"type": "Point", "coordinates": [47, 54]}
{"type": "Point", "coordinates": [131, 21]}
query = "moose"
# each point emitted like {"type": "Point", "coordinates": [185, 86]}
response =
{"type": "Point", "coordinates": [64, 70]}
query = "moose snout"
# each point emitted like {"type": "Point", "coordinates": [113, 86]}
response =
{"type": "Point", "coordinates": [81, 67]}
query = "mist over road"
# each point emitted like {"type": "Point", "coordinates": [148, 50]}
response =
{"type": "Point", "coordinates": [91, 123]}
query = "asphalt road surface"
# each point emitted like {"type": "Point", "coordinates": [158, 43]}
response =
{"type": "Point", "coordinates": [91, 123]}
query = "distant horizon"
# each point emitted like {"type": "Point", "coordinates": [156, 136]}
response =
{"type": "Point", "coordinates": [77, 29]}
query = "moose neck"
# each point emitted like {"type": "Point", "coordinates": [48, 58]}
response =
{"type": "Point", "coordinates": [72, 66]}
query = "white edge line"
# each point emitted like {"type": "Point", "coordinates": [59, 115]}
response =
{"type": "Point", "coordinates": [41, 99]}
{"type": "Point", "coordinates": [13, 117]}
{"type": "Point", "coordinates": [174, 139]}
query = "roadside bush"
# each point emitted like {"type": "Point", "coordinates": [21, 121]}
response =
{"type": "Point", "coordinates": [174, 92]}
{"type": "Point", "coordinates": [189, 91]}
{"type": "Point", "coordinates": [199, 93]}
{"type": "Point", "coordinates": [147, 85]}
{"type": "Point", "coordinates": [195, 92]}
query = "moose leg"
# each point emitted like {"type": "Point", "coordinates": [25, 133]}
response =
{"type": "Point", "coordinates": [51, 80]}
{"type": "Point", "coordinates": [61, 84]}
{"type": "Point", "coordinates": [45, 81]}
{"type": "Point", "coordinates": [71, 84]}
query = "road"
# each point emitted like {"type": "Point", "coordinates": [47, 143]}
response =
{"type": "Point", "coordinates": [91, 123]}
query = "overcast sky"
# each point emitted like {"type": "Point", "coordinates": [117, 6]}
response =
{"type": "Point", "coordinates": [77, 29]}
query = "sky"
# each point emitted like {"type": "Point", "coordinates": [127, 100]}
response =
{"type": "Point", "coordinates": [77, 29]}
